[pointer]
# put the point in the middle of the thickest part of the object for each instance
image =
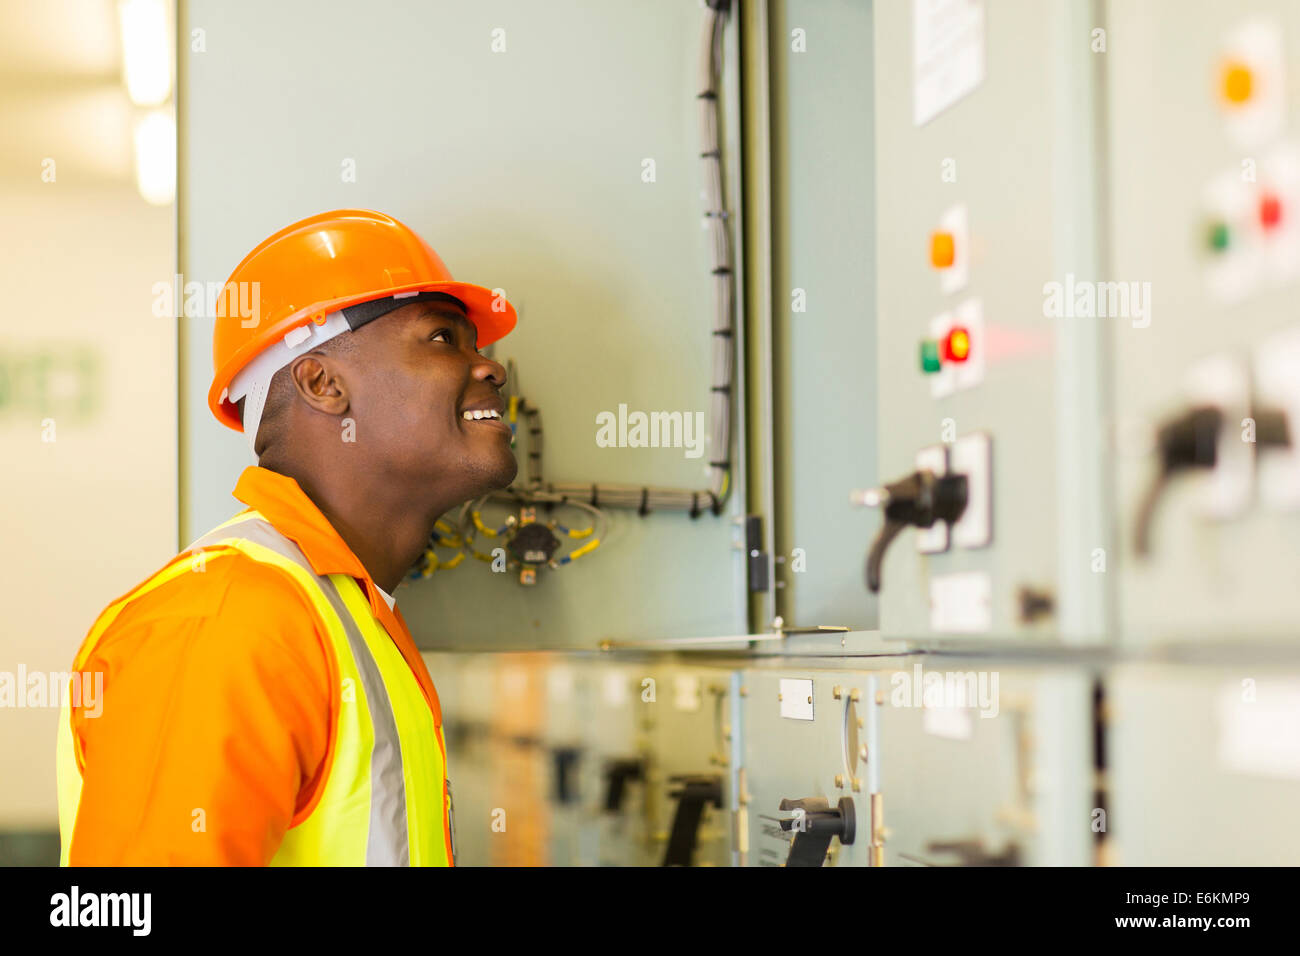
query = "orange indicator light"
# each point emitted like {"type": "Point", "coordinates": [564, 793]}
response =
{"type": "Point", "coordinates": [942, 250]}
{"type": "Point", "coordinates": [1237, 82]}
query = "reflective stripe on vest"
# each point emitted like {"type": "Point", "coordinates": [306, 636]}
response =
{"type": "Point", "coordinates": [382, 800]}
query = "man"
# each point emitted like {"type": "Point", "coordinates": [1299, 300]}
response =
{"type": "Point", "coordinates": [263, 700]}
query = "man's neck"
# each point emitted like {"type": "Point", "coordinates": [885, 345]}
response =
{"type": "Point", "coordinates": [380, 527]}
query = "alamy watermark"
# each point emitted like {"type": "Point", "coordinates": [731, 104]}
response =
{"type": "Point", "coordinates": [651, 430]}
{"type": "Point", "coordinates": [209, 300]}
{"type": "Point", "coordinates": [945, 689]}
{"type": "Point", "coordinates": [1085, 299]}
{"type": "Point", "coordinates": [129, 910]}
{"type": "Point", "coordinates": [52, 689]}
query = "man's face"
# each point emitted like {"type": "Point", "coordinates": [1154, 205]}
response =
{"type": "Point", "coordinates": [415, 374]}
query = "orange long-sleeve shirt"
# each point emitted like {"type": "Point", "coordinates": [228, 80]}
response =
{"type": "Point", "coordinates": [218, 703]}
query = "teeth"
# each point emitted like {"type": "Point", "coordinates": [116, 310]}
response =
{"type": "Point", "coordinates": [479, 413]}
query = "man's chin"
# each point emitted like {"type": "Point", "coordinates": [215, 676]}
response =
{"type": "Point", "coordinates": [497, 473]}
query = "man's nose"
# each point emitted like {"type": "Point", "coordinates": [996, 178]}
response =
{"type": "Point", "coordinates": [490, 370]}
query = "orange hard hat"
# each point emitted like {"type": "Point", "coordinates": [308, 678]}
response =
{"type": "Point", "coordinates": [323, 265]}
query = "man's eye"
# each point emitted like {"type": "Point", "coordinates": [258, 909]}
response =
{"type": "Point", "coordinates": [446, 332]}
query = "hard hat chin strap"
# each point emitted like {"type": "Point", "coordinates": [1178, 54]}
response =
{"type": "Point", "coordinates": [254, 405]}
{"type": "Point", "coordinates": [254, 380]}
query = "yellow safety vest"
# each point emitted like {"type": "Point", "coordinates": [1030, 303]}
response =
{"type": "Point", "coordinates": [386, 800]}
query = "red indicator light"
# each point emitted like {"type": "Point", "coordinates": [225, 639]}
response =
{"type": "Point", "coordinates": [1270, 210]}
{"type": "Point", "coordinates": [956, 345]}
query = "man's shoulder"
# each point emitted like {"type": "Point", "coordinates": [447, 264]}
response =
{"type": "Point", "coordinates": [213, 583]}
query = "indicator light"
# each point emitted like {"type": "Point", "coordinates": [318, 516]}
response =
{"type": "Point", "coordinates": [1270, 210]}
{"type": "Point", "coordinates": [942, 250]}
{"type": "Point", "coordinates": [1218, 236]}
{"type": "Point", "coordinates": [929, 356]}
{"type": "Point", "coordinates": [1237, 82]}
{"type": "Point", "coordinates": [956, 345]}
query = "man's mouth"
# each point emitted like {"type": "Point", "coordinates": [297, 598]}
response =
{"type": "Point", "coordinates": [488, 416]}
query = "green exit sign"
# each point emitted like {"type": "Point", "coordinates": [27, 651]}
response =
{"type": "Point", "coordinates": [59, 382]}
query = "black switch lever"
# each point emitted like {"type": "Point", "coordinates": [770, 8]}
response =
{"type": "Point", "coordinates": [1185, 442]}
{"type": "Point", "coordinates": [816, 827]}
{"type": "Point", "coordinates": [1272, 430]}
{"type": "Point", "coordinates": [695, 791]}
{"type": "Point", "coordinates": [918, 501]}
{"type": "Point", "coordinates": [617, 775]}
{"type": "Point", "coordinates": [566, 758]}
{"type": "Point", "coordinates": [1190, 440]}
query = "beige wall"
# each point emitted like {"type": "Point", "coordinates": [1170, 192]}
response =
{"type": "Point", "coordinates": [88, 515]}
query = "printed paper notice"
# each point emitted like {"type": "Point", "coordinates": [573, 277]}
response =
{"type": "Point", "coordinates": [948, 49]}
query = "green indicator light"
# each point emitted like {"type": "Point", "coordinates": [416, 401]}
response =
{"type": "Point", "coordinates": [1218, 236]}
{"type": "Point", "coordinates": [929, 356]}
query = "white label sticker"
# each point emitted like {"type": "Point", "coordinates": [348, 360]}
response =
{"type": "Point", "coordinates": [954, 277]}
{"type": "Point", "coordinates": [796, 699]}
{"type": "Point", "coordinates": [948, 54]}
{"type": "Point", "coordinates": [615, 689]}
{"type": "Point", "coordinates": [686, 692]}
{"type": "Point", "coordinates": [934, 539]}
{"type": "Point", "coordinates": [1277, 384]}
{"type": "Point", "coordinates": [955, 723]}
{"type": "Point", "coordinates": [1259, 728]}
{"type": "Point", "coordinates": [961, 602]}
{"type": "Point", "coordinates": [972, 456]}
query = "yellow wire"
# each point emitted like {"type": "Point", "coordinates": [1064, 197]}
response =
{"type": "Point", "coordinates": [431, 565]}
{"type": "Point", "coordinates": [587, 548]}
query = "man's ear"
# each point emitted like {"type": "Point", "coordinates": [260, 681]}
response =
{"type": "Point", "coordinates": [319, 381]}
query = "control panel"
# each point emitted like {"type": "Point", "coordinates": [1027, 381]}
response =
{"type": "Point", "coordinates": [1205, 212]}
{"type": "Point", "coordinates": [988, 436]}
